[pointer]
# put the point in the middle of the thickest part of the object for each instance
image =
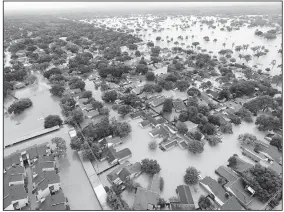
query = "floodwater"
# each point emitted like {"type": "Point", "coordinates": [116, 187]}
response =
{"type": "Point", "coordinates": [32, 119]}
{"type": "Point", "coordinates": [74, 181]}
{"type": "Point", "coordinates": [239, 37]}
{"type": "Point", "coordinates": [175, 161]}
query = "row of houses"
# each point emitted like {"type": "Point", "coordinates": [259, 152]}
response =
{"type": "Point", "coordinates": [34, 168]}
{"type": "Point", "coordinates": [235, 193]}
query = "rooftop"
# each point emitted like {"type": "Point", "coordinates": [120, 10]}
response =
{"type": "Point", "coordinates": [184, 194]}
{"type": "Point", "coordinates": [144, 198]}
{"type": "Point", "coordinates": [232, 205]}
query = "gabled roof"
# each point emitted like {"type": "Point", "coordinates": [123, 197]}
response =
{"type": "Point", "coordinates": [50, 177]}
{"type": "Point", "coordinates": [54, 202]}
{"type": "Point", "coordinates": [241, 166]}
{"type": "Point", "coordinates": [184, 194]}
{"type": "Point", "coordinates": [212, 186]}
{"type": "Point", "coordinates": [227, 173]}
{"type": "Point", "coordinates": [123, 153]}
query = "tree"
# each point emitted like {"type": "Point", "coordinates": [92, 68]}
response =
{"type": "Point", "coordinates": [205, 203]}
{"type": "Point", "coordinates": [130, 185]}
{"type": "Point", "coordinates": [264, 181]}
{"type": "Point", "coordinates": [226, 128]}
{"type": "Point", "coordinates": [267, 123]}
{"type": "Point", "coordinates": [203, 109]}
{"type": "Point", "coordinates": [123, 110]}
{"type": "Point", "coordinates": [76, 82]}
{"type": "Point", "coordinates": [196, 147]}
{"type": "Point", "coordinates": [191, 176]}
{"type": "Point", "coordinates": [115, 202]}
{"type": "Point", "coordinates": [213, 140]}
{"type": "Point", "coordinates": [162, 182]}
{"type": "Point", "coordinates": [137, 53]}
{"type": "Point", "coordinates": [181, 127]}
{"type": "Point", "coordinates": [224, 94]}
{"type": "Point", "coordinates": [183, 116]}
{"type": "Point", "coordinates": [232, 161]}
{"type": "Point", "coordinates": [150, 166]}
{"type": "Point", "coordinates": [76, 143]}
{"type": "Point", "coordinates": [214, 119]}
{"type": "Point", "coordinates": [276, 141]}
{"type": "Point", "coordinates": [52, 120]}
{"type": "Point", "coordinates": [182, 85]}
{"type": "Point", "coordinates": [141, 69]}
{"type": "Point", "coordinates": [76, 117]}
{"type": "Point", "coordinates": [60, 146]}
{"type": "Point", "coordinates": [236, 120]}
{"type": "Point", "coordinates": [207, 128]}
{"type": "Point", "coordinates": [152, 145]}
{"type": "Point", "coordinates": [244, 114]}
{"type": "Point", "coordinates": [19, 106]}
{"type": "Point", "coordinates": [193, 92]}
{"type": "Point", "coordinates": [162, 202]}
{"type": "Point", "coordinates": [57, 90]}
{"type": "Point", "coordinates": [109, 96]}
{"type": "Point", "coordinates": [120, 129]}
{"type": "Point", "coordinates": [247, 139]}
{"type": "Point", "coordinates": [47, 74]}
{"type": "Point", "coordinates": [168, 105]}
{"type": "Point", "coordinates": [86, 94]}
{"type": "Point", "coordinates": [150, 76]}
{"type": "Point", "coordinates": [195, 44]}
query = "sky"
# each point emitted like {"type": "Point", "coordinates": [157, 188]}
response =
{"type": "Point", "coordinates": [23, 6]}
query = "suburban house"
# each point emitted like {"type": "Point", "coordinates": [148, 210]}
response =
{"type": "Point", "coordinates": [241, 166]}
{"type": "Point", "coordinates": [171, 142]}
{"type": "Point", "coordinates": [152, 121]}
{"type": "Point", "coordinates": [15, 195]}
{"type": "Point", "coordinates": [235, 186]}
{"type": "Point", "coordinates": [138, 89]}
{"type": "Point", "coordinates": [253, 155]}
{"type": "Point", "coordinates": [110, 141]}
{"type": "Point", "coordinates": [145, 199]}
{"type": "Point", "coordinates": [216, 191]}
{"type": "Point", "coordinates": [87, 107]}
{"type": "Point", "coordinates": [113, 176]}
{"type": "Point", "coordinates": [185, 199]}
{"type": "Point", "coordinates": [55, 201]}
{"type": "Point", "coordinates": [91, 114]}
{"type": "Point", "coordinates": [162, 131]}
{"type": "Point", "coordinates": [178, 105]}
{"type": "Point", "coordinates": [113, 157]}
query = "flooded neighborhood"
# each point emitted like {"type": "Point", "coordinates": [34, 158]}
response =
{"type": "Point", "coordinates": [175, 108]}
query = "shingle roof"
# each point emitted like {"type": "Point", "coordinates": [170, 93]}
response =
{"type": "Point", "coordinates": [218, 191]}
{"type": "Point", "coordinates": [50, 177]}
{"type": "Point", "coordinates": [185, 194]}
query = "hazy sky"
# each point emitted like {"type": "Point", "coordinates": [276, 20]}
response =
{"type": "Point", "coordinates": [21, 6]}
